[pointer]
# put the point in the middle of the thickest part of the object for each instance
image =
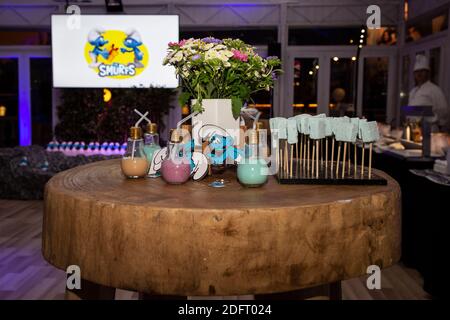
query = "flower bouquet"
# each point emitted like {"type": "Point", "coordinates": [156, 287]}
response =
{"type": "Point", "coordinates": [210, 68]}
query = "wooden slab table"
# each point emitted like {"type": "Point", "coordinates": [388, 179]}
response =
{"type": "Point", "coordinates": [195, 240]}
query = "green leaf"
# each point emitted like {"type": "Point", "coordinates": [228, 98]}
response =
{"type": "Point", "coordinates": [183, 98]}
{"type": "Point", "coordinates": [197, 106]}
{"type": "Point", "coordinates": [236, 105]}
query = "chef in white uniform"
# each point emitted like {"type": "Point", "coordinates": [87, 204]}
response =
{"type": "Point", "coordinates": [426, 93]}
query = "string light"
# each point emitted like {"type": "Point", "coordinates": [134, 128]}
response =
{"type": "Point", "coordinates": [335, 59]}
{"type": "Point", "coordinates": [107, 95]}
{"type": "Point", "coordinates": [353, 58]}
{"type": "Point", "coordinates": [2, 111]}
{"type": "Point", "coordinates": [317, 67]}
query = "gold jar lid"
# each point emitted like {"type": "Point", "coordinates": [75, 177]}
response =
{"type": "Point", "coordinates": [174, 135]}
{"type": "Point", "coordinates": [252, 136]}
{"type": "Point", "coordinates": [259, 125]}
{"type": "Point", "coordinates": [152, 128]}
{"type": "Point", "coordinates": [187, 127]}
{"type": "Point", "coordinates": [135, 133]}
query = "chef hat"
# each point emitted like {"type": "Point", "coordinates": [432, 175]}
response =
{"type": "Point", "coordinates": [95, 33]}
{"type": "Point", "coordinates": [133, 33]}
{"type": "Point", "coordinates": [421, 63]}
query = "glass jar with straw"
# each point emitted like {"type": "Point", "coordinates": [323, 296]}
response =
{"type": "Point", "coordinates": [134, 163]}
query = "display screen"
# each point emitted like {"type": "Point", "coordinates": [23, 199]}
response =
{"type": "Point", "coordinates": [112, 51]}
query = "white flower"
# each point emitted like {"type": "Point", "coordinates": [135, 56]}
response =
{"type": "Point", "coordinates": [227, 53]}
{"type": "Point", "coordinates": [211, 54]}
{"type": "Point", "coordinates": [177, 57]}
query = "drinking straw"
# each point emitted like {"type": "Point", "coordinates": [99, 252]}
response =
{"type": "Point", "coordinates": [193, 114]}
{"type": "Point", "coordinates": [133, 148]}
{"type": "Point", "coordinates": [312, 160]}
{"type": "Point", "coordinates": [356, 160]}
{"type": "Point", "coordinates": [326, 154]}
{"type": "Point", "coordinates": [142, 115]}
{"type": "Point", "coordinates": [140, 120]}
{"type": "Point", "coordinates": [254, 118]}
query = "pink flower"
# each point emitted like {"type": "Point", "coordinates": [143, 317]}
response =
{"type": "Point", "coordinates": [239, 55]}
{"type": "Point", "coordinates": [177, 44]}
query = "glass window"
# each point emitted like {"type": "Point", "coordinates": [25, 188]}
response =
{"type": "Point", "coordinates": [265, 42]}
{"type": "Point", "coordinates": [404, 90]}
{"type": "Point", "coordinates": [386, 36]}
{"type": "Point", "coordinates": [375, 88]}
{"type": "Point", "coordinates": [306, 74]}
{"type": "Point", "coordinates": [342, 75]}
{"type": "Point", "coordinates": [323, 36]}
{"type": "Point", "coordinates": [259, 36]}
{"type": "Point", "coordinates": [426, 26]}
{"type": "Point", "coordinates": [41, 100]}
{"type": "Point", "coordinates": [435, 61]}
{"type": "Point", "coordinates": [24, 37]}
{"type": "Point", "coordinates": [9, 102]}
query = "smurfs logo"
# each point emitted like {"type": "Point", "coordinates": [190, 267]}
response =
{"type": "Point", "coordinates": [116, 54]}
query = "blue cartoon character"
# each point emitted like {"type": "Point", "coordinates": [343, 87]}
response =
{"type": "Point", "coordinates": [95, 38]}
{"type": "Point", "coordinates": [133, 41]}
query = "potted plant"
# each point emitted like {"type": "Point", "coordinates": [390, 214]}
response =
{"type": "Point", "coordinates": [220, 76]}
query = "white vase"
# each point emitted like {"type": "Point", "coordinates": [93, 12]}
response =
{"type": "Point", "coordinates": [217, 117]}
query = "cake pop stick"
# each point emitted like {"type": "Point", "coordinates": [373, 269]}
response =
{"type": "Point", "coordinates": [301, 149]}
{"type": "Point", "coordinates": [292, 153]}
{"type": "Point", "coordinates": [337, 159]}
{"type": "Point", "coordinates": [312, 161]}
{"type": "Point", "coordinates": [326, 154]}
{"type": "Point", "coordinates": [281, 162]}
{"type": "Point", "coordinates": [343, 159]}
{"type": "Point", "coordinates": [369, 134]}
{"type": "Point", "coordinates": [349, 159]}
{"type": "Point", "coordinates": [317, 133]}
{"type": "Point", "coordinates": [292, 139]}
{"type": "Point", "coordinates": [370, 160]}
{"type": "Point", "coordinates": [355, 160]}
{"type": "Point", "coordinates": [347, 132]}
{"type": "Point", "coordinates": [362, 161]}
{"type": "Point", "coordinates": [332, 153]}
{"type": "Point", "coordinates": [308, 158]}
{"type": "Point", "coordinates": [321, 152]}
{"type": "Point", "coordinates": [304, 152]}
{"type": "Point", "coordinates": [286, 159]}
{"type": "Point", "coordinates": [317, 159]}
